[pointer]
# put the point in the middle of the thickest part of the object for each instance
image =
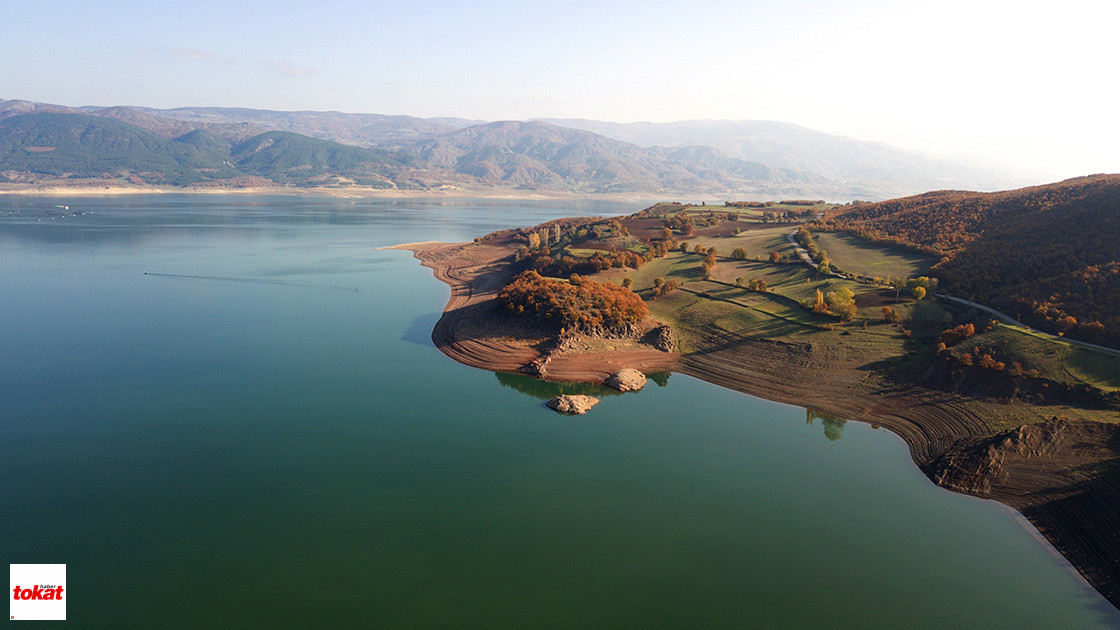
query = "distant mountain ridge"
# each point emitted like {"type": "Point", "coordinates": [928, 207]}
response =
{"type": "Point", "coordinates": [69, 145]}
{"type": "Point", "coordinates": [734, 158]}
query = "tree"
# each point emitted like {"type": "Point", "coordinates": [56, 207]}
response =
{"type": "Point", "coordinates": [823, 268]}
{"type": "Point", "coordinates": [666, 234]}
{"type": "Point", "coordinates": [842, 303]}
{"type": "Point", "coordinates": [775, 257]}
{"type": "Point", "coordinates": [739, 253]}
{"type": "Point", "coordinates": [919, 293]}
{"type": "Point", "coordinates": [627, 282]}
{"type": "Point", "coordinates": [890, 316]}
{"type": "Point", "coordinates": [819, 305]}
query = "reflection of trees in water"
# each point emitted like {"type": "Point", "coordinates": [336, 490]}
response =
{"type": "Point", "coordinates": [833, 426]}
{"type": "Point", "coordinates": [550, 389]}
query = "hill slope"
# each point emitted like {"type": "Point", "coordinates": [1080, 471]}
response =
{"type": "Point", "coordinates": [537, 154]}
{"type": "Point", "coordinates": [87, 146]}
{"type": "Point", "coordinates": [877, 168]}
{"type": "Point", "coordinates": [79, 145]}
{"type": "Point", "coordinates": [1050, 254]}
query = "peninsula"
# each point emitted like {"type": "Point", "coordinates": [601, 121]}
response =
{"type": "Point", "coordinates": [857, 312]}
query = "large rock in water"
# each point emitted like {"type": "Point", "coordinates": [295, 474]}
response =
{"type": "Point", "coordinates": [573, 404]}
{"type": "Point", "coordinates": [626, 380]}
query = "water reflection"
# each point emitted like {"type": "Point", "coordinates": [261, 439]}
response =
{"type": "Point", "coordinates": [833, 426]}
{"type": "Point", "coordinates": [550, 389]}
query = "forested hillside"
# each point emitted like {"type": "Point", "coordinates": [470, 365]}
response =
{"type": "Point", "coordinates": [1048, 254]}
{"type": "Point", "coordinates": [68, 145]}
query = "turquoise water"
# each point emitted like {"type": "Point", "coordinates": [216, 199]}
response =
{"type": "Point", "coordinates": [265, 436]}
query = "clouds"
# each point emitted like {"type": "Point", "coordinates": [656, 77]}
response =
{"type": "Point", "coordinates": [288, 69]}
{"type": "Point", "coordinates": [282, 69]}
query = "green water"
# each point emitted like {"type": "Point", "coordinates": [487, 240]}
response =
{"type": "Point", "coordinates": [264, 436]}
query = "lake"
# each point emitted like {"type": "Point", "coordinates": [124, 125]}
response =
{"type": "Point", "coordinates": [226, 411]}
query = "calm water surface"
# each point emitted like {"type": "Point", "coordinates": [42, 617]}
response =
{"type": "Point", "coordinates": [259, 433]}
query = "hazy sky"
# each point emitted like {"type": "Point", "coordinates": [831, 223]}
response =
{"type": "Point", "coordinates": [1028, 83]}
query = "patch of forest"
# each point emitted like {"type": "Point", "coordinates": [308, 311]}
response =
{"type": "Point", "coordinates": [1049, 255]}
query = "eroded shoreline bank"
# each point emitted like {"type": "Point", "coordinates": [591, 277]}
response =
{"type": "Point", "coordinates": [1027, 469]}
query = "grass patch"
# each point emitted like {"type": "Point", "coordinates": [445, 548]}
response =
{"type": "Point", "coordinates": [1053, 358]}
{"type": "Point", "coordinates": [855, 255]}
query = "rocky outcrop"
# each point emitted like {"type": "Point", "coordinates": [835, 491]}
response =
{"type": "Point", "coordinates": [661, 338]}
{"type": "Point", "coordinates": [626, 380]}
{"type": "Point", "coordinates": [572, 404]}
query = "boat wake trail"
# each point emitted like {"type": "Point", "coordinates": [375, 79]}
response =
{"type": "Point", "coordinates": [253, 281]}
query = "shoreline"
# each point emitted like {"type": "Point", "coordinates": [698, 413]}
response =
{"type": "Point", "coordinates": [350, 192]}
{"type": "Point", "coordinates": [944, 431]}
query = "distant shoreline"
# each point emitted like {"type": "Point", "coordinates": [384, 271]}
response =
{"type": "Point", "coordinates": [350, 192]}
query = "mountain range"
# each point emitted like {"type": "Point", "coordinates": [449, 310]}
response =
{"type": "Point", "coordinates": [737, 159]}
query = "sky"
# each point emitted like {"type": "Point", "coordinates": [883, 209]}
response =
{"type": "Point", "coordinates": [1028, 84]}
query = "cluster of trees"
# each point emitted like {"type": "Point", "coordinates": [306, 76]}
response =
{"type": "Point", "coordinates": [687, 223]}
{"type": "Point", "coordinates": [819, 256]}
{"type": "Point", "coordinates": [661, 286]}
{"type": "Point", "coordinates": [748, 204]}
{"type": "Point", "coordinates": [801, 202]}
{"type": "Point", "coordinates": [754, 284]}
{"type": "Point", "coordinates": [840, 303]}
{"type": "Point", "coordinates": [542, 261]}
{"type": "Point", "coordinates": [578, 305]}
{"type": "Point", "coordinates": [955, 335]}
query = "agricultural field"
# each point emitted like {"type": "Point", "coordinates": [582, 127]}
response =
{"type": "Point", "coordinates": [857, 256]}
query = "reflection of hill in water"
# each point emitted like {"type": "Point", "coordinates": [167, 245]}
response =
{"type": "Point", "coordinates": [550, 389]}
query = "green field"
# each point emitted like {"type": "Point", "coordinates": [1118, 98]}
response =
{"type": "Point", "coordinates": [856, 256]}
{"type": "Point", "coordinates": [758, 242]}
{"type": "Point", "coordinates": [1053, 358]}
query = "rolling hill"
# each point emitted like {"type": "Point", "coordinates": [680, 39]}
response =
{"type": "Point", "coordinates": [82, 146]}
{"type": "Point", "coordinates": [746, 158]}
{"type": "Point", "coordinates": [874, 166]}
{"type": "Point", "coordinates": [537, 154]}
{"type": "Point", "coordinates": [1048, 254]}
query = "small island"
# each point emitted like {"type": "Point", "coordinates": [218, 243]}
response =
{"type": "Point", "coordinates": [887, 313]}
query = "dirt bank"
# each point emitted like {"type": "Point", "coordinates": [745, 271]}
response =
{"type": "Point", "coordinates": [1059, 474]}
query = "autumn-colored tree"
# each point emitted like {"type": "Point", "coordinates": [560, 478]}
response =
{"type": "Point", "coordinates": [841, 303]}
{"type": "Point", "coordinates": [590, 306]}
{"type": "Point", "coordinates": [819, 305]}
{"type": "Point", "coordinates": [739, 253]}
{"type": "Point", "coordinates": [775, 257]}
